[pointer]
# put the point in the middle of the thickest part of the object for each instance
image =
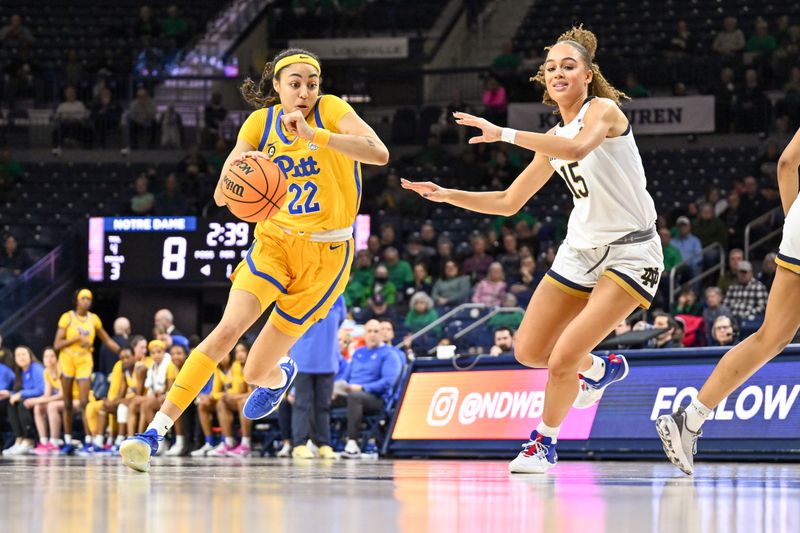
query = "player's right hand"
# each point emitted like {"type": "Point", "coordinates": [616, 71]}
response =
{"type": "Point", "coordinates": [255, 154]}
{"type": "Point", "coordinates": [426, 189]}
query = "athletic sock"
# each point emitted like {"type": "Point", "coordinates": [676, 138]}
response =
{"type": "Point", "coordinates": [120, 440]}
{"type": "Point", "coordinates": [54, 441]}
{"type": "Point", "coordinates": [696, 415]}
{"type": "Point", "coordinates": [87, 439]}
{"type": "Point", "coordinates": [161, 423]}
{"type": "Point", "coordinates": [284, 380]}
{"type": "Point", "coordinates": [210, 440]}
{"type": "Point", "coordinates": [42, 441]}
{"type": "Point", "coordinates": [246, 441]}
{"type": "Point", "coordinates": [67, 438]}
{"type": "Point", "coordinates": [230, 442]}
{"type": "Point", "coordinates": [193, 376]}
{"type": "Point", "coordinates": [98, 441]}
{"type": "Point", "coordinates": [548, 431]}
{"type": "Point", "coordinates": [597, 370]}
{"type": "Point", "coordinates": [180, 440]}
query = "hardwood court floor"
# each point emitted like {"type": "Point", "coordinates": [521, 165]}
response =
{"type": "Point", "coordinates": [71, 494]}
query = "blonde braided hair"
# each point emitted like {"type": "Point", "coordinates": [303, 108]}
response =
{"type": "Point", "coordinates": [585, 42]}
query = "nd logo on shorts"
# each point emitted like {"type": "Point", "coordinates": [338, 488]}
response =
{"type": "Point", "coordinates": [650, 277]}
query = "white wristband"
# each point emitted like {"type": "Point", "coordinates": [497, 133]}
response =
{"type": "Point", "coordinates": [508, 135]}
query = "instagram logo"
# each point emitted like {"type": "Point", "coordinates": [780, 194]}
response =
{"type": "Point", "coordinates": [443, 406]}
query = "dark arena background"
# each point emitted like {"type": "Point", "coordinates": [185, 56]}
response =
{"type": "Point", "coordinates": [116, 120]}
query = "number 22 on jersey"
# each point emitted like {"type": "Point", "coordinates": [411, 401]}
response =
{"type": "Point", "coordinates": [301, 201]}
{"type": "Point", "coordinates": [572, 176]}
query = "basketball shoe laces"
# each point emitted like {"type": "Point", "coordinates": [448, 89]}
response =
{"type": "Point", "coordinates": [535, 447]}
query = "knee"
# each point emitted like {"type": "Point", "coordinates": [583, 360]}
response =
{"type": "Point", "coordinates": [223, 338]}
{"type": "Point", "coordinates": [562, 367]}
{"type": "Point", "coordinates": [529, 352]}
{"type": "Point", "coordinates": [249, 373]}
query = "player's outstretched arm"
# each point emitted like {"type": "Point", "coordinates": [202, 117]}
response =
{"type": "Point", "coordinates": [505, 203]}
{"type": "Point", "coordinates": [602, 117]}
{"type": "Point", "coordinates": [788, 174]}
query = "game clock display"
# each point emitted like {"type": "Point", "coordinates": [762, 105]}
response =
{"type": "Point", "coordinates": [165, 250]}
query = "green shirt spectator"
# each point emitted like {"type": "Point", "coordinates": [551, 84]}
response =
{"type": "Point", "coordinates": [672, 256]}
{"type": "Point", "coordinates": [383, 285]}
{"type": "Point", "coordinates": [421, 313]}
{"type": "Point", "coordinates": [710, 229]}
{"type": "Point", "coordinates": [508, 60]}
{"type": "Point", "coordinates": [174, 26]}
{"type": "Point", "coordinates": [400, 272]}
{"type": "Point", "coordinates": [762, 41]}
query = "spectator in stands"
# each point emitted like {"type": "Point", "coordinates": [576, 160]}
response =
{"type": "Point", "coordinates": [388, 237]}
{"type": "Point", "coordinates": [108, 359]}
{"type": "Point", "coordinates": [444, 253]}
{"type": "Point", "coordinates": [495, 102]}
{"type": "Point", "coordinates": [421, 313]}
{"type": "Point", "coordinates": [433, 155]}
{"type": "Point", "coordinates": [726, 95]}
{"type": "Point", "coordinates": [476, 265]}
{"type": "Point", "coordinates": [165, 319]}
{"type": "Point", "coordinates": [667, 339]}
{"type": "Point", "coordinates": [214, 114]}
{"type": "Point", "coordinates": [12, 262]}
{"type": "Point", "coordinates": [422, 281]}
{"type": "Point", "coordinates": [766, 166]}
{"type": "Point", "coordinates": [10, 172]}
{"type": "Point", "coordinates": [731, 276]}
{"type": "Point", "coordinates": [417, 253]}
{"type": "Point", "coordinates": [145, 27]}
{"type": "Point", "coordinates": [15, 34]}
{"type": "Point", "coordinates": [429, 238]}
{"type": "Point", "coordinates": [747, 299]}
{"type": "Point", "coordinates": [370, 380]}
{"type": "Point", "coordinates": [722, 332]}
{"type": "Point", "coordinates": [730, 40]}
{"type": "Point", "coordinates": [754, 204]}
{"type": "Point", "coordinates": [503, 342]}
{"type": "Point", "coordinates": [143, 201]}
{"type": "Point", "coordinates": [70, 121]}
{"type": "Point", "coordinates": [469, 172]}
{"type": "Point", "coordinates": [452, 288]}
{"type": "Point", "coordinates": [170, 201]}
{"type": "Point", "coordinates": [509, 257]}
{"type": "Point", "coordinates": [672, 255]}
{"type": "Point", "coordinates": [753, 105]}
{"type": "Point", "coordinates": [681, 44]}
{"type": "Point", "coordinates": [762, 42]}
{"type": "Point", "coordinates": [731, 219]}
{"type": "Point", "coordinates": [507, 62]}
{"type": "Point", "coordinates": [633, 88]}
{"type": "Point", "coordinates": [400, 272]}
{"type": "Point", "coordinates": [105, 116]}
{"type": "Point", "coordinates": [490, 290]}
{"type": "Point", "coordinates": [768, 268]}
{"type": "Point", "coordinates": [786, 53]}
{"type": "Point", "coordinates": [387, 336]}
{"type": "Point", "coordinates": [525, 281]}
{"type": "Point", "coordinates": [171, 127]}
{"type": "Point", "coordinates": [361, 277]}
{"type": "Point", "coordinates": [510, 319]}
{"type": "Point", "coordinates": [382, 296]}
{"type": "Point", "coordinates": [688, 244]}
{"type": "Point", "coordinates": [174, 27]}
{"type": "Point", "coordinates": [710, 229]}
{"type": "Point", "coordinates": [393, 198]}
{"type": "Point", "coordinates": [687, 303]}
{"type": "Point", "coordinates": [142, 119]}
{"type": "Point", "coordinates": [316, 353]}
{"type": "Point", "coordinates": [29, 383]}
{"type": "Point", "coordinates": [714, 306]}
{"type": "Point", "coordinates": [192, 158]}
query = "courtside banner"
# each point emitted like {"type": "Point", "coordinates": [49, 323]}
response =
{"type": "Point", "coordinates": [684, 114]}
{"type": "Point", "coordinates": [507, 404]}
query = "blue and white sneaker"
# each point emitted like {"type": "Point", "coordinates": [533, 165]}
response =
{"type": "Point", "coordinates": [86, 451]}
{"type": "Point", "coordinates": [538, 455]}
{"type": "Point", "coordinates": [67, 449]}
{"type": "Point", "coordinates": [264, 400]}
{"type": "Point", "coordinates": [137, 450]}
{"type": "Point", "coordinates": [591, 391]}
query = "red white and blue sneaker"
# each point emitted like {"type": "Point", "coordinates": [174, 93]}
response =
{"type": "Point", "coordinates": [591, 391]}
{"type": "Point", "coordinates": [265, 400]}
{"type": "Point", "coordinates": [136, 451]}
{"type": "Point", "coordinates": [538, 455]}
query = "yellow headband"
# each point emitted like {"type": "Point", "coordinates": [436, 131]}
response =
{"type": "Point", "coordinates": [297, 58]}
{"type": "Point", "coordinates": [85, 293]}
{"type": "Point", "coordinates": [156, 342]}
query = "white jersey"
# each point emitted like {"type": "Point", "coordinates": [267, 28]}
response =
{"type": "Point", "coordinates": [789, 251]}
{"type": "Point", "coordinates": [608, 187]}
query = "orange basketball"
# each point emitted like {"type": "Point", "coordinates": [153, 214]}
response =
{"type": "Point", "coordinates": [254, 189]}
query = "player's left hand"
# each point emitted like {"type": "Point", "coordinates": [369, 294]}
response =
{"type": "Point", "coordinates": [489, 132]}
{"type": "Point", "coordinates": [426, 189]}
{"type": "Point", "coordinates": [296, 123]}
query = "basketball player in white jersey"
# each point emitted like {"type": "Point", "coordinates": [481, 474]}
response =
{"type": "Point", "coordinates": [610, 261]}
{"type": "Point", "coordinates": [680, 430]}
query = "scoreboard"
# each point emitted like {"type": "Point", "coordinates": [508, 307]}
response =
{"type": "Point", "coordinates": [165, 250]}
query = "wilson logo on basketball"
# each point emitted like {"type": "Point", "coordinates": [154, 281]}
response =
{"type": "Point", "coordinates": [244, 167]}
{"type": "Point", "coordinates": [233, 187]}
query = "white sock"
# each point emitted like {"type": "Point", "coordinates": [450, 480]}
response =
{"type": "Point", "coordinates": [548, 431]}
{"type": "Point", "coordinates": [87, 439]}
{"type": "Point", "coordinates": [98, 440]}
{"type": "Point", "coordinates": [43, 441]}
{"type": "Point", "coordinates": [246, 441]}
{"type": "Point", "coordinates": [597, 370]}
{"type": "Point", "coordinates": [161, 423]}
{"type": "Point", "coordinates": [284, 380]}
{"type": "Point", "coordinates": [230, 442]}
{"type": "Point", "coordinates": [696, 415]}
{"type": "Point", "coordinates": [67, 438]}
{"type": "Point", "coordinates": [120, 440]}
{"type": "Point", "coordinates": [54, 441]}
{"type": "Point", "coordinates": [180, 440]}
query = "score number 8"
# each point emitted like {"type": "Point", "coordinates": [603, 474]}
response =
{"type": "Point", "coordinates": [173, 264]}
